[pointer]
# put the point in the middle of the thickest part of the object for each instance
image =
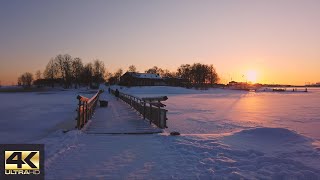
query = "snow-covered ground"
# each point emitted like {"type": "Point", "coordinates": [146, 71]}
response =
{"type": "Point", "coordinates": [225, 135]}
{"type": "Point", "coordinates": [222, 111]}
{"type": "Point", "coordinates": [29, 116]}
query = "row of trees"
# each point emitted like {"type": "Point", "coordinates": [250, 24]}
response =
{"type": "Point", "coordinates": [69, 71]}
{"type": "Point", "coordinates": [196, 74]}
{"type": "Point", "coordinates": [72, 71]}
{"type": "Point", "coordinates": [25, 79]}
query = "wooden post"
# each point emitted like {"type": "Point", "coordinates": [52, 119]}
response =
{"type": "Point", "coordinates": [150, 113]}
{"type": "Point", "coordinates": [144, 110]}
{"type": "Point", "coordinates": [79, 113]}
{"type": "Point", "coordinates": [87, 117]}
{"type": "Point", "coordinates": [159, 117]}
{"type": "Point", "coordinates": [83, 114]}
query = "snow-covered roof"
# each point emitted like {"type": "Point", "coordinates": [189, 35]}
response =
{"type": "Point", "coordinates": [145, 75]}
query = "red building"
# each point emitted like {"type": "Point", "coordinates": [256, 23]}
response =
{"type": "Point", "coordinates": [141, 79]}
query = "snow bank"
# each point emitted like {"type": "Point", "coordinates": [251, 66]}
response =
{"type": "Point", "coordinates": [216, 158]}
{"type": "Point", "coordinates": [269, 140]}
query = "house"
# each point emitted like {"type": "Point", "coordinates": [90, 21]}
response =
{"type": "Point", "coordinates": [141, 79]}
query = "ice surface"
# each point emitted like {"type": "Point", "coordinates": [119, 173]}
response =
{"type": "Point", "coordinates": [221, 111]}
{"type": "Point", "coordinates": [225, 135]}
{"type": "Point", "coordinates": [29, 116]}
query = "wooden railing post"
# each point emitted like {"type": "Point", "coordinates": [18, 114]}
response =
{"type": "Point", "coordinates": [79, 112]}
{"type": "Point", "coordinates": [83, 114]}
{"type": "Point", "coordinates": [159, 117]}
{"type": "Point", "coordinates": [150, 113]}
{"type": "Point", "coordinates": [87, 117]}
{"type": "Point", "coordinates": [154, 112]}
{"type": "Point", "coordinates": [144, 110]}
{"type": "Point", "coordinates": [86, 109]}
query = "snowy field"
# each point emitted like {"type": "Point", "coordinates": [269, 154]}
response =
{"type": "Point", "coordinates": [26, 117]}
{"type": "Point", "coordinates": [217, 111]}
{"type": "Point", "coordinates": [225, 135]}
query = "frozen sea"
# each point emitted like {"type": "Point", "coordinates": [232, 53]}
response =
{"type": "Point", "coordinates": [218, 111]}
{"type": "Point", "coordinates": [225, 134]}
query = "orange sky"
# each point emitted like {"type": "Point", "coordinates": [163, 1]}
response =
{"type": "Point", "coordinates": [279, 40]}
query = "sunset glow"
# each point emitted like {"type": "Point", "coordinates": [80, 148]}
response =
{"type": "Point", "coordinates": [251, 76]}
{"type": "Point", "coordinates": [276, 36]}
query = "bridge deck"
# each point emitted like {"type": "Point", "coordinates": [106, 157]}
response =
{"type": "Point", "coordinates": [118, 118]}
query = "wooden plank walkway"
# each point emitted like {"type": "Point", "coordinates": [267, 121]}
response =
{"type": "Point", "coordinates": [118, 118]}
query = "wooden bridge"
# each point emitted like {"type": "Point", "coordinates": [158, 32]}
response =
{"type": "Point", "coordinates": [119, 118]}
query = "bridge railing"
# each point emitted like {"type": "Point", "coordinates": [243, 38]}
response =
{"type": "Point", "coordinates": [150, 108]}
{"type": "Point", "coordinates": [86, 108]}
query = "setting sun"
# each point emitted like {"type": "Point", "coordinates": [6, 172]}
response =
{"type": "Point", "coordinates": [251, 76]}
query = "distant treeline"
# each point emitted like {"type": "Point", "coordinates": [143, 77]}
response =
{"type": "Point", "coordinates": [196, 74]}
{"type": "Point", "coordinates": [66, 71]}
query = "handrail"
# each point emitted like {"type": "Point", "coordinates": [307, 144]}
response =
{"type": "Point", "coordinates": [149, 108]}
{"type": "Point", "coordinates": [86, 108]}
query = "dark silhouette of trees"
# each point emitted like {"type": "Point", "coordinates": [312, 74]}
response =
{"type": "Point", "coordinates": [38, 75]}
{"type": "Point", "coordinates": [25, 79]}
{"type": "Point", "coordinates": [184, 71]}
{"type": "Point", "coordinates": [115, 78]}
{"type": "Point", "coordinates": [71, 71]}
{"type": "Point", "coordinates": [64, 63]}
{"type": "Point", "coordinates": [154, 70]}
{"type": "Point", "coordinates": [198, 74]}
{"type": "Point", "coordinates": [68, 71]}
{"type": "Point", "coordinates": [213, 75]}
{"type": "Point", "coordinates": [77, 69]}
{"type": "Point", "coordinates": [167, 74]}
{"type": "Point", "coordinates": [118, 74]}
{"type": "Point", "coordinates": [108, 75]}
{"type": "Point", "coordinates": [132, 68]}
{"type": "Point", "coordinates": [98, 71]}
{"type": "Point", "coordinates": [51, 71]}
{"type": "Point", "coordinates": [86, 75]}
{"type": "Point", "coordinates": [112, 80]}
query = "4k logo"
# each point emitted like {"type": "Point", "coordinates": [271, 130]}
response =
{"type": "Point", "coordinates": [22, 160]}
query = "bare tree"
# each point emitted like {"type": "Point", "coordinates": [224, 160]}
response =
{"type": "Point", "coordinates": [77, 68]}
{"type": "Point", "coordinates": [87, 74]}
{"type": "Point", "coordinates": [98, 71]}
{"type": "Point", "coordinates": [154, 70]}
{"type": "Point", "coordinates": [168, 74]}
{"type": "Point", "coordinates": [199, 74]}
{"type": "Point", "coordinates": [118, 74]}
{"type": "Point", "coordinates": [19, 81]}
{"type": "Point", "coordinates": [132, 68]}
{"type": "Point", "coordinates": [38, 74]}
{"type": "Point", "coordinates": [107, 76]}
{"type": "Point", "coordinates": [51, 71]}
{"type": "Point", "coordinates": [213, 75]}
{"type": "Point", "coordinates": [25, 79]}
{"type": "Point", "coordinates": [64, 63]}
{"type": "Point", "coordinates": [184, 71]}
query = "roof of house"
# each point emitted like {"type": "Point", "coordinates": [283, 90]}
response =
{"type": "Point", "coordinates": [144, 75]}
